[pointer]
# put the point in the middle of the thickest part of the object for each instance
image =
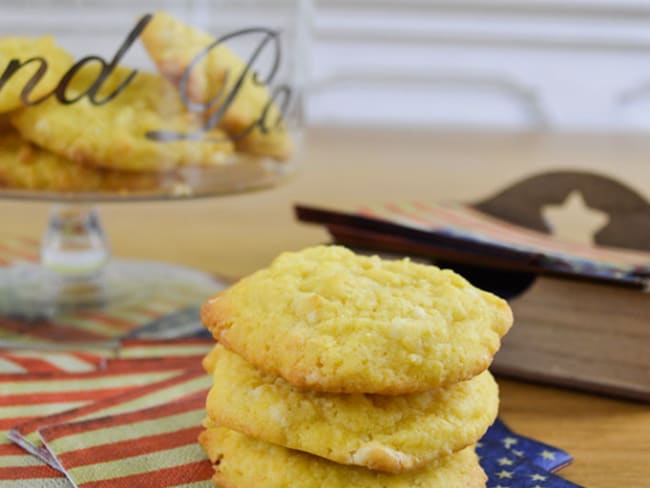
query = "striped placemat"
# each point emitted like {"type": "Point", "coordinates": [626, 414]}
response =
{"type": "Point", "coordinates": [18, 249]}
{"type": "Point", "coordinates": [151, 447]}
{"type": "Point", "coordinates": [153, 393]}
{"type": "Point", "coordinates": [19, 469]}
{"type": "Point", "coordinates": [31, 361]}
{"type": "Point", "coordinates": [37, 383]}
{"type": "Point", "coordinates": [55, 358]}
{"type": "Point", "coordinates": [188, 349]}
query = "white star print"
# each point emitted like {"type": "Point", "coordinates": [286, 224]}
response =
{"type": "Point", "coordinates": [504, 461]}
{"type": "Point", "coordinates": [504, 474]}
{"type": "Point", "coordinates": [518, 453]}
{"type": "Point", "coordinates": [548, 455]}
{"type": "Point", "coordinates": [537, 477]}
{"type": "Point", "coordinates": [501, 486]}
{"type": "Point", "coordinates": [509, 442]}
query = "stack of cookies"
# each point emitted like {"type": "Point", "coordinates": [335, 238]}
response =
{"type": "Point", "coordinates": [334, 369]}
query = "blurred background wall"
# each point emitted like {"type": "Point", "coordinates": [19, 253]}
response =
{"type": "Point", "coordinates": [573, 65]}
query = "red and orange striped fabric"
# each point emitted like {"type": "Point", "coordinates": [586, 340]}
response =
{"type": "Point", "coordinates": [149, 392]}
{"type": "Point", "coordinates": [31, 361]}
{"type": "Point", "coordinates": [151, 447]}
{"type": "Point", "coordinates": [184, 349]}
{"type": "Point", "coordinates": [18, 249]}
{"type": "Point", "coordinates": [463, 220]}
{"type": "Point", "coordinates": [155, 371]}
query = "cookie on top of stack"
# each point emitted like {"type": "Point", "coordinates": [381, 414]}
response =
{"type": "Point", "coordinates": [334, 369]}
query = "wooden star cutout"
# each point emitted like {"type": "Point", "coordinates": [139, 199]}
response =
{"type": "Point", "coordinates": [573, 220]}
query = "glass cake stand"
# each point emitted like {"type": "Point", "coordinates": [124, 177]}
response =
{"type": "Point", "coordinates": [135, 101]}
{"type": "Point", "coordinates": [76, 270]}
{"type": "Point", "coordinates": [76, 276]}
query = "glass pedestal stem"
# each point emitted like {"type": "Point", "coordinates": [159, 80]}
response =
{"type": "Point", "coordinates": [74, 246]}
{"type": "Point", "coordinates": [74, 255]}
{"type": "Point", "coordinates": [77, 293]}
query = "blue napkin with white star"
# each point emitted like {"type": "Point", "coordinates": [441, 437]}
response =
{"type": "Point", "coordinates": [514, 461]}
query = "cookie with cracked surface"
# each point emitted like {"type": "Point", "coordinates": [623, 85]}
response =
{"type": "Point", "coordinates": [384, 433]}
{"type": "Point", "coordinates": [27, 167]}
{"type": "Point", "coordinates": [174, 45]}
{"type": "Point", "coordinates": [116, 134]}
{"type": "Point", "coordinates": [327, 319]}
{"type": "Point", "coordinates": [242, 462]}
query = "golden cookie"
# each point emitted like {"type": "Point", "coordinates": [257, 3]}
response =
{"type": "Point", "coordinates": [242, 462]}
{"type": "Point", "coordinates": [5, 124]}
{"type": "Point", "coordinates": [384, 433]}
{"type": "Point", "coordinates": [27, 167]}
{"type": "Point", "coordinates": [115, 134]}
{"type": "Point", "coordinates": [173, 46]}
{"type": "Point", "coordinates": [23, 49]}
{"type": "Point", "coordinates": [329, 320]}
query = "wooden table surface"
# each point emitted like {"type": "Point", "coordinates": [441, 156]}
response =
{"type": "Point", "coordinates": [232, 236]}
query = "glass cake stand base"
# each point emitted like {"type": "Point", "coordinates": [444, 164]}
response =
{"type": "Point", "coordinates": [32, 292]}
{"type": "Point", "coordinates": [78, 288]}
